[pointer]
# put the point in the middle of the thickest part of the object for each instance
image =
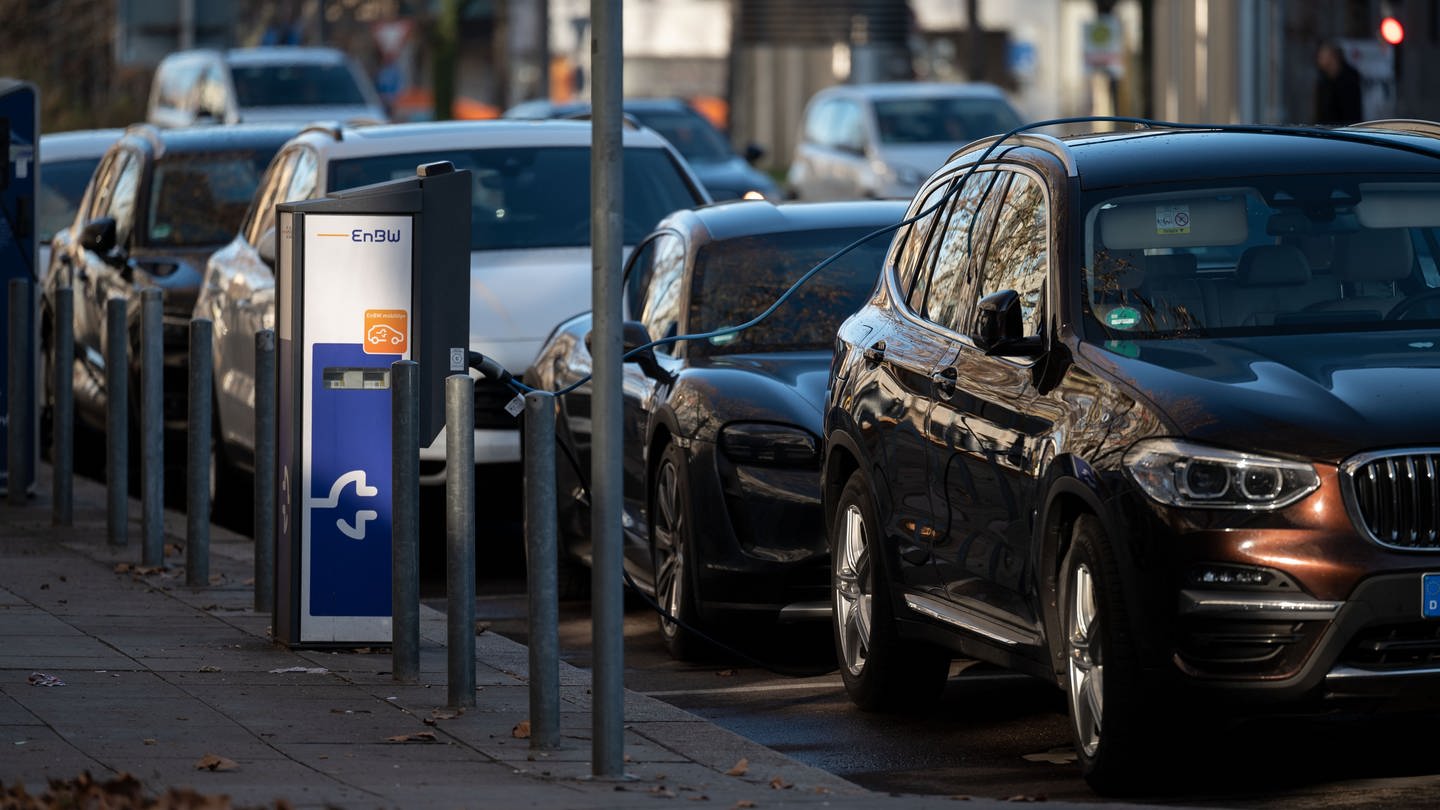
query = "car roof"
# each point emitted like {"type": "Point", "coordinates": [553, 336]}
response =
{"type": "Point", "coordinates": [542, 108]}
{"type": "Point", "coordinates": [741, 218]}
{"type": "Point", "coordinates": [212, 138]}
{"type": "Point", "coordinates": [901, 90]}
{"type": "Point", "coordinates": [1185, 155]}
{"type": "Point", "coordinates": [78, 143]}
{"type": "Point", "coordinates": [424, 135]}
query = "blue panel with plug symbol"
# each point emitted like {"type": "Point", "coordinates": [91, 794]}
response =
{"type": "Point", "coordinates": [1430, 596]}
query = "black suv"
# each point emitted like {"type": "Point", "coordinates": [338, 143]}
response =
{"type": "Point", "coordinates": [1151, 416]}
{"type": "Point", "coordinates": [160, 202]}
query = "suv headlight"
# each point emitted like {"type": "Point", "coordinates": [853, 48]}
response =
{"type": "Point", "coordinates": [1180, 473]}
{"type": "Point", "coordinates": [768, 445]}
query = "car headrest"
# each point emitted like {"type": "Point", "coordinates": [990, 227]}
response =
{"type": "Point", "coordinates": [1273, 265]}
{"type": "Point", "coordinates": [1375, 254]}
{"type": "Point", "coordinates": [1171, 266]}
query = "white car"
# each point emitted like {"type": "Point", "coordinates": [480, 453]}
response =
{"type": "Point", "coordinates": [67, 159]}
{"type": "Point", "coordinates": [883, 140]}
{"type": "Point", "coordinates": [530, 261]}
{"type": "Point", "coordinates": [275, 84]}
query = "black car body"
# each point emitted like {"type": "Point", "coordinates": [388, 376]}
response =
{"type": "Point", "coordinates": [1149, 416]}
{"type": "Point", "coordinates": [721, 487]}
{"type": "Point", "coordinates": [726, 175]}
{"type": "Point", "coordinates": [160, 202]}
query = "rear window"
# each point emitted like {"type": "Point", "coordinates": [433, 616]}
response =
{"type": "Point", "coordinates": [199, 200]}
{"type": "Point", "coordinates": [933, 120]}
{"type": "Point", "coordinates": [690, 134]}
{"type": "Point", "coordinates": [537, 197]}
{"type": "Point", "coordinates": [295, 85]}
{"type": "Point", "coordinates": [736, 279]}
{"type": "Point", "coordinates": [62, 184]}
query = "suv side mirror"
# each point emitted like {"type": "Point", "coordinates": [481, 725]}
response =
{"type": "Point", "coordinates": [266, 246]}
{"type": "Point", "coordinates": [633, 336]}
{"type": "Point", "coordinates": [98, 236]}
{"type": "Point", "coordinates": [1000, 329]}
{"type": "Point", "coordinates": [753, 152]}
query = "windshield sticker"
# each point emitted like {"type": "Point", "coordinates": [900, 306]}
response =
{"type": "Point", "coordinates": [1127, 348]}
{"type": "Point", "coordinates": [1172, 219]}
{"type": "Point", "coordinates": [1122, 318]}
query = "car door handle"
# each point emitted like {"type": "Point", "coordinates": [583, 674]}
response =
{"type": "Point", "coordinates": [944, 382]}
{"type": "Point", "coordinates": [875, 352]}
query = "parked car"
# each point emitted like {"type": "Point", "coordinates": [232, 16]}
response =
{"type": "Point", "coordinates": [884, 139]}
{"type": "Point", "coordinates": [265, 84]}
{"type": "Point", "coordinates": [158, 204]}
{"type": "Point", "coordinates": [529, 240]}
{"type": "Point", "coordinates": [67, 159]}
{"type": "Point", "coordinates": [726, 175]}
{"type": "Point", "coordinates": [721, 493]}
{"type": "Point", "coordinates": [1148, 416]}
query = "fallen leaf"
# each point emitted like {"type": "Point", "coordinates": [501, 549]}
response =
{"type": "Point", "coordinates": [217, 579]}
{"type": "Point", "coordinates": [363, 651]}
{"type": "Point", "coordinates": [42, 679]}
{"type": "Point", "coordinates": [481, 627]}
{"type": "Point", "coordinates": [725, 673]}
{"type": "Point", "coordinates": [419, 736]}
{"type": "Point", "coordinates": [626, 758]}
{"type": "Point", "coordinates": [739, 768]}
{"type": "Point", "coordinates": [960, 798]}
{"type": "Point", "coordinates": [701, 798]}
{"type": "Point", "coordinates": [1024, 798]}
{"type": "Point", "coordinates": [742, 804]}
{"type": "Point", "coordinates": [122, 568]}
{"type": "Point", "coordinates": [441, 714]}
{"type": "Point", "coordinates": [248, 581]}
{"type": "Point", "coordinates": [149, 740]}
{"type": "Point", "coordinates": [521, 731]}
{"type": "Point", "coordinates": [209, 668]}
{"type": "Point", "coordinates": [662, 791]}
{"type": "Point", "coordinates": [1064, 755]}
{"type": "Point", "coordinates": [44, 586]}
{"type": "Point", "coordinates": [778, 783]}
{"type": "Point", "coordinates": [305, 670]}
{"type": "Point", "coordinates": [215, 762]}
{"type": "Point", "coordinates": [172, 550]}
{"type": "Point", "coordinates": [429, 721]}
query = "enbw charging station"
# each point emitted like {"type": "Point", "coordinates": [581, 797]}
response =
{"type": "Point", "coordinates": [366, 277]}
{"type": "Point", "coordinates": [19, 167]}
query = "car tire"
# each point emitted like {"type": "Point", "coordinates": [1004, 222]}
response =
{"type": "Point", "coordinates": [881, 670]}
{"type": "Point", "coordinates": [672, 555]}
{"type": "Point", "coordinates": [1107, 703]}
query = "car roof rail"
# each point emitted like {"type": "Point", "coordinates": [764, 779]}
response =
{"type": "Point", "coordinates": [150, 133]}
{"type": "Point", "coordinates": [1034, 140]}
{"type": "Point", "coordinates": [1412, 126]}
{"type": "Point", "coordinates": [631, 121]}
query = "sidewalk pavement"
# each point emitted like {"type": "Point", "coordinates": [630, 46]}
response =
{"type": "Point", "coordinates": [165, 682]}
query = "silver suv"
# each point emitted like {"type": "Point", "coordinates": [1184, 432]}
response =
{"type": "Point", "coordinates": [529, 239]}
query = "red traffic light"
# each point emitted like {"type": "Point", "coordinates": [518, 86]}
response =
{"type": "Point", "coordinates": [1392, 31]}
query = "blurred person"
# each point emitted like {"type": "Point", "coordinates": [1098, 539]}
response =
{"type": "Point", "coordinates": [1337, 88]}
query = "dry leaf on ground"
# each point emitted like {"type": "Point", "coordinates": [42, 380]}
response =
{"type": "Point", "coordinates": [725, 673]}
{"type": "Point", "coordinates": [215, 762]}
{"type": "Point", "coordinates": [43, 679]}
{"type": "Point", "coordinates": [419, 736]}
{"type": "Point", "coordinates": [521, 731]}
{"type": "Point", "coordinates": [779, 783]}
{"type": "Point", "coordinates": [739, 768]}
{"type": "Point", "coordinates": [743, 803]}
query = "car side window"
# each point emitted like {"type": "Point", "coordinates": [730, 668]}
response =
{"type": "Point", "coordinates": [818, 129]}
{"type": "Point", "coordinates": [304, 176]}
{"type": "Point", "coordinates": [916, 237]}
{"type": "Point", "coordinates": [638, 273]}
{"type": "Point", "coordinates": [849, 130]}
{"type": "Point", "coordinates": [661, 313]}
{"type": "Point", "coordinates": [1018, 258]}
{"type": "Point", "coordinates": [262, 214]}
{"type": "Point", "coordinates": [959, 244]}
{"type": "Point", "coordinates": [97, 196]}
{"type": "Point", "coordinates": [123, 198]}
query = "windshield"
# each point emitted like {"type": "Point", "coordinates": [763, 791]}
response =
{"type": "Point", "coordinates": [736, 279]}
{"type": "Point", "coordinates": [690, 134]}
{"type": "Point", "coordinates": [1261, 256]}
{"type": "Point", "coordinates": [950, 120]}
{"type": "Point", "coordinates": [295, 85]}
{"type": "Point", "coordinates": [62, 184]}
{"type": "Point", "coordinates": [198, 200]}
{"type": "Point", "coordinates": [537, 197]}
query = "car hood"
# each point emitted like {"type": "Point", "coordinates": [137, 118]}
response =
{"type": "Point", "coordinates": [730, 178]}
{"type": "Point", "coordinates": [924, 158]}
{"type": "Point", "coordinates": [780, 385]}
{"type": "Point", "coordinates": [1317, 396]}
{"type": "Point", "coordinates": [518, 296]}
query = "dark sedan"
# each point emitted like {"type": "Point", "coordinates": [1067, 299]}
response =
{"type": "Point", "coordinates": [160, 202]}
{"type": "Point", "coordinates": [722, 489]}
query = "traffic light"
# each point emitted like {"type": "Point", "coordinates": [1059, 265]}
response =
{"type": "Point", "coordinates": [1392, 31]}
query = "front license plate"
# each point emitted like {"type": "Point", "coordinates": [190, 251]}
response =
{"type": "Point", "coordinates": [1430, 596]}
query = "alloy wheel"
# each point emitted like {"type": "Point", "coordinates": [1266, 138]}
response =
{"type": "Point", "coordinates": [854, 591]}
{"type": "Point", "coordinates": [669, 533]}
{"type": "Point", "coordinates": [1086, 664]}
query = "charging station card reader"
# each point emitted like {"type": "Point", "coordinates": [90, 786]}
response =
{"type": "Point", "coordinates": [366, 277]}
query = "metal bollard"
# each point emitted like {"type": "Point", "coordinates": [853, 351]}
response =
{"type": "Point", "coordinates": [197, 454]}
{"type": "Point", "coordinates": [405, 521]}
{"type": "Point", "coordinates": [17, 472]}
{"type": "Point", "coordinates": [152, 428]}
{"type": "Point", "coordinates": [117, 424]}
{"type": "Point", "coordinates": [62, 412]}
{"type": "Point", "coordinates": [460, 537]}
{"type": "Point", "coordinates": [542, 563]}
{"type": "Point", "coordinates": [265, 471]}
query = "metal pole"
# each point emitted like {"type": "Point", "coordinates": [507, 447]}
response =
{"type": "Point", "coordinates": [460, 536]}
{"type": "Point", "coordinates": [197, 460]}
{"type": "Point", "coordinates": [606, 473]}
{"type": "Point", "coordinates": [542, 563]}
{"type": "Point", "coordinates": [117, 424]}
{"type": "Point", "coordinates": [265, 471]}
{"type": "Point", "coordinates": [17, 471]}
{"type": "Point", "coordinates": [152, 428]}
{"type": "Point", "coordinates": [62, 413]}
{"type": "Point", "coordinates": [405, 521]}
